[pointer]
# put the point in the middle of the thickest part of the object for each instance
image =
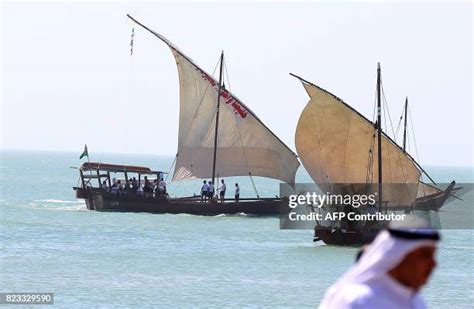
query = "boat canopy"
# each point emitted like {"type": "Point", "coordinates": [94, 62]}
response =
{"type": "Point", "coordinates": [117, 168]}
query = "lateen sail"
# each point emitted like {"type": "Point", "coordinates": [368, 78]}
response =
{"type": "Point", "coordinates": [337, 145]}
{"type": "Point", "coordinates": [245, 145]}
{"type": "Point", "coordinates": [424, 190]}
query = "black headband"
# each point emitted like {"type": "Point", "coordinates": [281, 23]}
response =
{"type": "Point", "coordinates": [415, 234]}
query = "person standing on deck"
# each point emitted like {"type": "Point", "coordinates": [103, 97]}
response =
{"type": "Point", "coordinates": [222, 191]}
{"type": "Point", "coordinates": [147, 188]}
{"type": "Point", "coordinates": [210, 191]}
{"type": "Point", "coordinates": [104, 185]}
{"type": "Point", "coordinates": [114, 187]}
{"type": "Point", "coordinates": [237, 192]}
{"type": "Point", "coordinates": [120, 188]}
{"type": "Point", "coordinates": [127, 185]}
{"type": "Point", "coordinates": [389, 274]}
{"type": "Point", "coordinates": [162, 186]}
{"type": "Point", "coordinates": [204, 191]}
{"type": "Point", "coordinates": [156, 188]}
{"type": "Point", "coordinates": [134, 185]}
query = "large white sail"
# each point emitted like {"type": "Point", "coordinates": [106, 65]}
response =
{"type": "Point", "coordinates": [245, 145]}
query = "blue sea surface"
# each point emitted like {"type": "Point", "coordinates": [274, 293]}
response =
{"type": "Point", "coordinates": [50, 242]}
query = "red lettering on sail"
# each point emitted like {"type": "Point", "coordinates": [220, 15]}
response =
{"type": "Point", "coordinates": [225, 94]}
{"type": "Point", "coordinates": [208, 78]}
{"type": "Point", "coordinates": [229, 99]}
{"type": "Point", "coordinates": [238, 109]}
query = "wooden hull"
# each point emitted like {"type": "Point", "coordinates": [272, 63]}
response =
{"type": "Point", "coordinates": [434, 202]}
{"type": "Point", "coordinates": [103, 201]}
{"type": "Point", "coordinates": [339, 237]}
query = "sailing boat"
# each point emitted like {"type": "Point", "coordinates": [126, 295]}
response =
{"type": "Point", "coordinates": [219, 136]}
{"type": "Point", "coordinates": [346, 153]}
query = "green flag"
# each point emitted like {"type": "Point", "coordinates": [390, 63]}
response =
{"type": "Point", "coordinates": [85, 153]}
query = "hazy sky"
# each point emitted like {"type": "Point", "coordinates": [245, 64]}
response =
{"type": "Point", "coordinates": [68, 77]}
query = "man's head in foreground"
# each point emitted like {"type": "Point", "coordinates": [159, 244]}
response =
{"type": "Point", "coordinates": [415, 269]}
{"type": "Point", "coordinates": [389, 273]}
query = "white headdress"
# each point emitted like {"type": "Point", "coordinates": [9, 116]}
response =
{"type": "Point", "coordinates": [387, 250]}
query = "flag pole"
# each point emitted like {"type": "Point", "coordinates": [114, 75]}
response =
{"type": "Point", "coordinates": [85, 153]}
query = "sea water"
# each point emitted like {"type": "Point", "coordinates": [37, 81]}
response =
{"type": "Point", "coordinates": [50, 242]}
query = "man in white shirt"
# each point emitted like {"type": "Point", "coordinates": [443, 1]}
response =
{"type": "Point", "coordinates": [204, 190]}
{"type": "Point", "coordinates": [222, 189]}
{"type": "Point", "coordinates": [162, 187]}
{"type": "Point", "coordinates": [104, 185]}
{"type": "Point", "coordinates": [389, 274]}
{"type": "Point", "coordinates": [210, 192]}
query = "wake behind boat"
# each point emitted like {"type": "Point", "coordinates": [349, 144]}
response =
{"type": "Point", "coordinates": [219, 136]}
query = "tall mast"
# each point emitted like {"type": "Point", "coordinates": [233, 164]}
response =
{"type": "Point", "coordinates": [217, 118]}
{"type": "Point", "coordinates": [405, 125]}
{"type": "Point", "coordinates": [379, 135]}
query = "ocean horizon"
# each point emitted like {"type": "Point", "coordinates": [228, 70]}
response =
{"type": "Point", "coordinates": [51, 243]}
{"type": "Point", "coordinates": [237, 88]}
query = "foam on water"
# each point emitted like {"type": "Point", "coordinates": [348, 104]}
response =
{"type": "Point", "coordinates": [240, 214]}
{"type": "Point", "coordinates": [184, 215]}
{"type": "Point", "coordinates": [57, 201]}
{"type": "Point", "coordinates": [59, 205]}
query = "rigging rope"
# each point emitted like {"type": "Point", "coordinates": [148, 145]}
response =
{"type": "Point", "coordinates": [227, 74]}
{"type": "Point", "coordinates": [388, 110]}
{"type": "Point", "coordinates": [385, 112]}
{"type": "Point", "coordinates": [409, 145]}
{"type": "Point", "coordinates": [397, 132]}
{"type": "Point", "coordinates": [172, 164]}
{"type": "Point", "coordinates": [370, 154]}
{"type": "Point", "coordinates": [416, 148]}
{"type": "Point", "coordinates": [414, 138]}
{"type": "Point", "coordinates": [241, 139]}
{"type": "Point", "coordinates": [393, 132]}
{"type": "Point", "coordinates": [245, 156]}
{"type": "Point", "coordinates": [374, 115]}
{"type": "Point", "coordinates": [399, 162]}
{"type": "Point", "coordinates": [253, 184]}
